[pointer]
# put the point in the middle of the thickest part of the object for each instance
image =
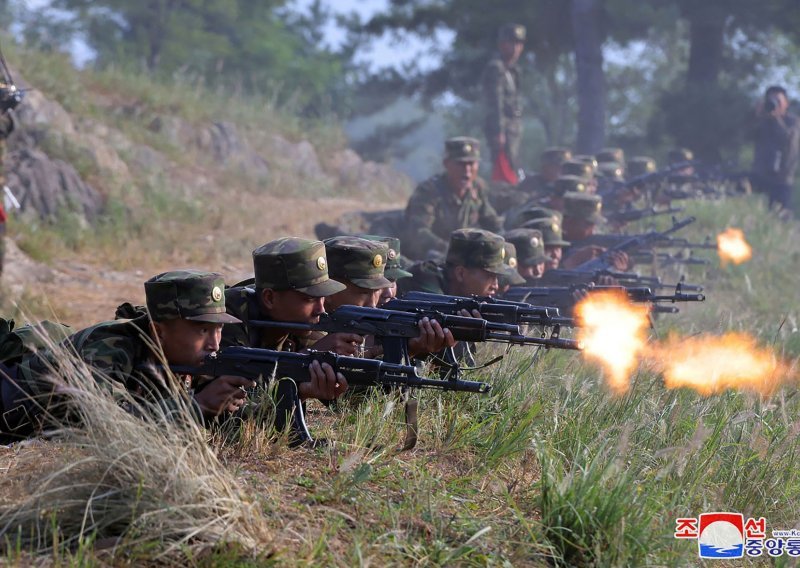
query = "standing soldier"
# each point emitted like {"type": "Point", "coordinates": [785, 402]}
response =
{"type": "Point", "coordinates": [502, 93]}
{"type": "Point", "coordinates": [6, 128]}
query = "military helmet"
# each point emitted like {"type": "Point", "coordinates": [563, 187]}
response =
{"type": "Point", "coordinates": [611, 155]}
{"type": "Point", "coordinates": [358, 260]}
{"type": "Point", "coordinates": [187, 294]}
{"type": "Point", "coordinates": [462, 149]}
{"type": "Point", "coordinates": [512, 32]}
{"type": "Point", "coordinates": [584, 206]}
{"type": "Point", "coordinates": [566, 184]}
{"type": "Point", "coordinates": [529, 244]}
{"type": "Point", "coordinates": [394, 261]}
{"type": "Point", "coordinates": [476, 248]}
{"type": "Point", "coordinates": [290, 263]}
{"type": "Point", "coordinates": [579, 169]}
{"type": "Point", "coordinates": [678, 155]}
{"type": "Point", "coordinates": [641, 165]}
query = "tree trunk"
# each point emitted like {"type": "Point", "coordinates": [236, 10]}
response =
{"type": "Point", "coordinates": [706, 38]}
{"type": "Point", "coordinates": [590, 75]}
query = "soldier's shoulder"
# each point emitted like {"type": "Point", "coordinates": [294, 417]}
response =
{"type": "Point", "coordinates": [238, 299]}
{"type": "Point", "coordinates": [428, 276]}
{"type": "Point", "coordinates": [429, 190]}
{"type": "Point", "coordinates": [494, 66]}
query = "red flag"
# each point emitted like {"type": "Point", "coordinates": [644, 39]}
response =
{"type": "Point", "coordinates": [502, 170]}
{"type": "Point", "coordinates": [3, 216]}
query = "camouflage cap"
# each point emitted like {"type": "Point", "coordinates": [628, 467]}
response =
{"type": "Point", "coordinates": [585, 206]}
{"type": "Point", "coordinates": [358, 260]}
{"type": "Point", "coordinates": [611, 155]}
{"type": "Point", "coordinates": [612, 171]}
{"type": "Point", "coordinates": [290, 263]}
{"type": "Point", "coordinates": [476, 248]}
{"type": "Point", "coordinates": [187, 294]}
{"type": "Point", "coordinates": [517, 218]}
{"type": "Point", "coordinates": [566, 184]}
{"type": "Point", "coordinates": [552, 232]}
{"type": "Point", "coordinates": [556, 156]}
{"type": "Point", "coordinates": [678, 155]}
{"type": "Point", "coordinates": [512, 32]}
{"type": "Point", "coordinates": [462, 149]}
{"type": "Point", "coordinates": [578, 169]}
{"type": "Point", "coordinates": [529, 244]}
{"type": "Point", "coordinates": [511, 277]}
{"type": "Point", "coordinates": [587, 159]}
{"type": "Point", "coordinates": [641, 165]}
{"type": "Point", "coordinates": [394, 261]}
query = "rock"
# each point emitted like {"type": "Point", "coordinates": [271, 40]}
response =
{"type": "Point", "coordinates": [19, 270]}
{"type": "Point", "coordinates": [40, 113]}
{"type": "Point", "coordinates": [367, 177]}
{"type": "Point", "coordinates": [176, 131]}
{"type": "Point", "coordinates": [222, 141]}
{"type": "Point", "coordinates": [46, 186]}
{"type": "Point", "coordinates": [300, 158]}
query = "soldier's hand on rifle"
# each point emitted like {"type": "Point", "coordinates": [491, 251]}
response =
{"type": "Point", "coordinates": [581, 255]}
{"type": "Point", "coordinates": [620, 260]}
{"type": "Point", "coordinates": [325, 384]}
{"type": "Point", "coordinates": [432, 338]}
{"type": "Point", "coordinates": [467, 314]}
{"type": "Point", "coordinates": [223, 394]}
{"type": "Point", "coordinates": [341, 343]}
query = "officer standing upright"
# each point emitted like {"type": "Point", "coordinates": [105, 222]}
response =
{"type": "Point", "coordinates": [503, 97]}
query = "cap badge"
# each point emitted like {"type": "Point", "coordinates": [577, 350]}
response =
{"type": "Point", "coordinates": [216, 293]}
{"type": "Point", "coordinates": [512, 262]}
{"type": "Point", "coordinates": [598, 206]}
{"type": "Point", "coordinates": [322, 264]}
{"type": "Point", "coordinates": [580, 187]}
{"type": "Point", "coordinates": [534, 242]}
{"type": "Point", "coordinates": [392, 254]}
{"type": "Point", "coordinates": [377, 261]}
{"type": "Point", "coordinates": [467, 148]}
{"type": "Point", "coordinates": [555, 227]}
{"type": "Point", "coordinates": [503, 253]}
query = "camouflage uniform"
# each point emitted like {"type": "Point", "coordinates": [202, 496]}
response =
{"type": "Point", "coordinates": [121, 354]}
{"type": "Point", "coordinates": [359, 261]}
{"type": "Point", "coordinates": [6, 128]}
{"type": "Point", "coordinates": [535, 187]}
{"type": "Point", "coordinates": [511, 277]}
{"type": "Point", "coordinates": [586, 207]}
{"type": "Point", "coordinates": [434, 211]}
{"type": "Point", "coordinates": [395, 262]}
{"type": "Point", "coordinates": [529, 244]}
{"type": "Point", "coordinates": [503, 98]}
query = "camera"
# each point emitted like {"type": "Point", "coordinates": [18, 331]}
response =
{"type": "Point", "coordinates": [771, 103]}
{"type": "Point", "coordinates": [10, 98]}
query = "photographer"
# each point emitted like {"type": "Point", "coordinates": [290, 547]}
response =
{"type": "Point", "coordinates": [7, 102]}
{"type": "Point", "coordinates": [777, 147]}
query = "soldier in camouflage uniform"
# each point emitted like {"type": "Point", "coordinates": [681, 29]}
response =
{"type": "Point", "coordinates": [473, 265]}
{"type": "Point", "coordinates": [554, 242]}
{"type": "Point", "coordinates": [182, 325]}
{"type": "Point", "coordinates": [531, 258]}
{"type": "Point", "coordinates": [616, 155]}
{"type": "Point", "coordinates": [290, 285]}
{"type": "Point", "coordinates": [394, 270]}
{"type": "Point", "coordinates": [456, 199]}
{"type": "Point", "coordinates": [6, 128]}
{"type": "Point", "coordinates": [534, 186]}
{"type": "Point", "coordinates": [512, 276]}
{"type": "Point", "coordinates": [503, 95]}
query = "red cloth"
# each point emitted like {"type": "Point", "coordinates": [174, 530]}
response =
{"type": "Point", "coordinates": [3, 216]}
{"type": "Point", "coordinates": [502, 170]}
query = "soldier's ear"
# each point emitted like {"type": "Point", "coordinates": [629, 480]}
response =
{"type": "Point", "coordinates": [268, 298]}
{"type": "Point", "coordinates": [458, 272]}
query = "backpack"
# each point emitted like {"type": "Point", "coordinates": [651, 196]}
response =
{"type": "Point", "coordinates": [28, 339]}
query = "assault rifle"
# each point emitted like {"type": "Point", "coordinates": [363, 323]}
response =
{"type": "Point", "coordinates": [562, 277]}
{"type": "Point", "coordinates": [394, 328]}
{"type": "Point", "coordinates": [665, 259]}
{"type": "Point", "coordinates": [491, 309]}
{"type": "Point", "coordinates": [564, 295]}
{"type": "Point", "coordinates": [256, 364]}
{"type": "Point", "coordinates": [630, 215]}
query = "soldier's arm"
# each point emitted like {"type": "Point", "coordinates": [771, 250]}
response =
{"type": "Point", "coordinates": [6, 125]}
{"type": "Point", "coordinates": [420, 217]}
{"type": "Point", "coordinates": [489, 219]}
{"type": "Point", "coordinates": [493, 96]}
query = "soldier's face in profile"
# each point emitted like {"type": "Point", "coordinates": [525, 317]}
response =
{"type": "Point", "coordinates": [461, 175]}
{"type": "Point", "coordinates": [511, 50]}
{"type": "Point", "coordinates": [387, 294]}
{"type": "Point", "coordinates": [555, 254]}
{"type": "Point", "coordinates": [531, 271]}
{"type": "Point", "coordinates": [475, 282]}
{"type": "Point", "coordinates": [577, 229]}
{"type": "Point", "coordinates": [291, 305]}
{"type": "Point", "coordinates": [354, 296]}
{"type": "Point", "coordinates": [188, 342]}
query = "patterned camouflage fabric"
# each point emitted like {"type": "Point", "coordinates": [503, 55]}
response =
{"type": "Point", "coordinates": [511, 277]}
{"type": "Point", "coordinates": [476, 248]}
{"type": "Point", "coordinates": [529, 244]}
{"type": "Point", "coordinates": [187, 294]}
{"type": "Point", "coordinates": [394, 261]}
{"type": "Point", "coordinates": [427, 276]}
{"type": "Point", "coordinates": [462, 149]}
{"type": "Point", "coordinates": [518, 217]}
{"type": "Point", "coordinates": [611, 155]}
{"type": "Point", "coordinates": [291, 263]}
{"type": "Point", "coordinates": [584, 206]}
{"type": "Point", "coordinates": [502, 93]}
{"type": "Point", "coordinates": [679, 155]}
{"type": "Point", "coordinates": [567, 184]}
{"type": "Point", "coordinates": [551, 231]}
{"type": "Point", "coordinates": [577, 169]}
{"type": "Point", "coordinates": [641, 165]}
{"type": "Point", "coordinates": [358, 260]}
{"type": "Point", "coordinates": [434, 211]}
